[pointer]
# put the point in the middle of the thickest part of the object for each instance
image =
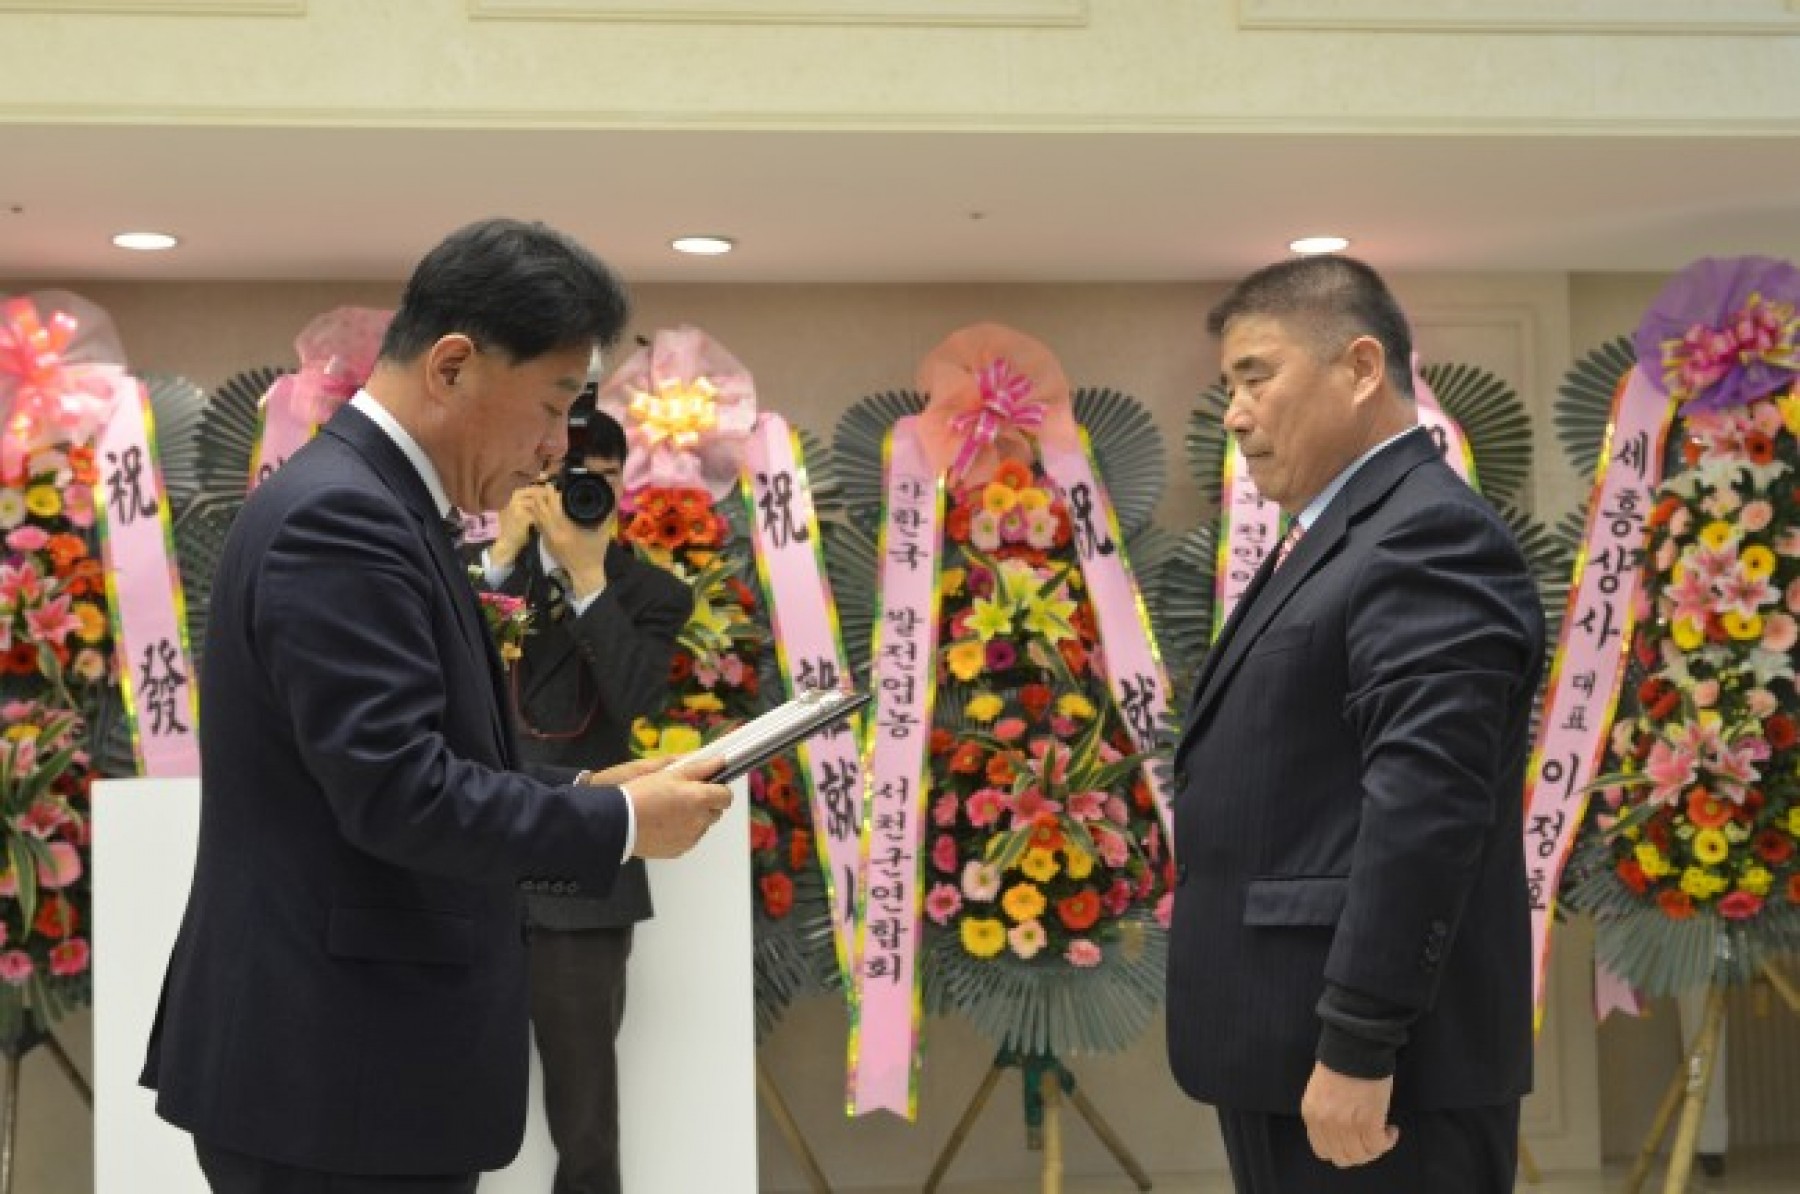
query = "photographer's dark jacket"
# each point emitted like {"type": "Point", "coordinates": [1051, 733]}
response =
{"type": "Point", "coordinates": [582, 681]}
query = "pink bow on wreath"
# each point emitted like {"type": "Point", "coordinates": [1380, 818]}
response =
{"type": "Point", "coordinates": [991, 392]}
{"type": "Point", "coordinates": [337, 353]}
{"type": "Point", "coordinates": [57, 374]}
{"type": "Point", "coordinates": [1723, 333]}
{"type": "Point", "coordinates": [687, 407]}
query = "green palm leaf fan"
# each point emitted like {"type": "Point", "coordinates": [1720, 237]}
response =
{"type": "Point", "coordinates": [224, 445]}
{"type": "Point", "coordinates": [1584, 403]}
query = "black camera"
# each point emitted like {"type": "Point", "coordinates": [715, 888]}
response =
{"type": "Point", "coordinates": [586, 497]}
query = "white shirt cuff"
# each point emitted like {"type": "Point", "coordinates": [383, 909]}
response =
{"type": "Point", "coordinates": [494, 575]}
{"type": "Point", "coordinates": [630, 814]}
{"type": "Point", "coordinates": [630, 824]}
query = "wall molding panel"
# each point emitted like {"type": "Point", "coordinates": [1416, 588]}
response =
{"type": "Point", "coordinates": [159, 8]}
{"type": "Point", "coordinates": [1014, 13]}
{"type": "Point", "coordinates": [1740, 17]}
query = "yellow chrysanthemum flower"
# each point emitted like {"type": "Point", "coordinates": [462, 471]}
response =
{"type": "Point", "coordinates": [23, 732]}
{"type": "Point", "coordinates": [1711, 847]}
{"type": "Point", "coordinates": [1023, 902]}
{"type": "Point", "coordinates": [1073, 704]}
{"type": "Point", "coordinates": [1717, 533]}
{"type": "Point", "coordinates": [998, 499]}
{"type": "Point", "coordinates": [704, 702]}
{"type": "Point", "coordinates": [1741, 628]}
{"type": "Point", "coordinates": [644, 734]}
{"type": "Point", "coordinates": [1701, 884]}
{"type": "Point", "coordinates": [950, 581]}
{"type": "Point", "coordinates": [984, 708]}
{"type": "Point", "coordinates": [966, 658]}
{"type": "Point", "coordinates": [1755, 880]}
{"type": "Point", "coordinates": [678, 740]}
{"type": "Point", "coordinates": [1688, 633]}
{"type": "Point", "coordinates": [91, 623]}
{"type": "Point", "coordinates": [1653, 861]}
{"type": "Point", "coordinates": [1793, 825]}
{"type": "Point", "coordinates": [1757, 561]}
{"type": "Point", "coordinates": [1039, 864]}
{"type": "Point", "coordinates": [1034, 499]}
{"type": "Point", "coordinates": [983, 936]}
{"type": "Point", "coordinates": [43, 501]}
{"type": "Point", "coordinates": [1080, 862]}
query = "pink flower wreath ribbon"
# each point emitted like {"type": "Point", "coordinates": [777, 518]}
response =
{"type": "Point", "coordinates": [992, 392]}
{"type": "Point", "coordinates": [688, 408]}
{"type": "Point", "coordinates": [337, 353]}
{"type": "Point", "coordinates": [60, 364]}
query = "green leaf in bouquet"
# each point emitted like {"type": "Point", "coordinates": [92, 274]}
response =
{"type": "Point", "coordinates": [1005, 849]}
{"type": "Point", "coordinates": [24, 867]}
{"type": "Point", "coordinates": [1078, 833]}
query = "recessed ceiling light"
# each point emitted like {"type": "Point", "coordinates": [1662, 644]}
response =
{"type": "Point", "coordinates": [702, 246]}
{"type": "Point", "coordinates": [145, 242]}
{"type": "Point", "coordinates": [1319, 244]}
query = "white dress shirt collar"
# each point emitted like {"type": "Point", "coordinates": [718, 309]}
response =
{"type": "Point", "coordinates": [379, 414]}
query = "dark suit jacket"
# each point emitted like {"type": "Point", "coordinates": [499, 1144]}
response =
{"type": "Point", "coordinates": [348, 990]}
{"type": "Point", "coordinates": [1348, 801]}
{"type": "Point", "coordinates": [594, 674]}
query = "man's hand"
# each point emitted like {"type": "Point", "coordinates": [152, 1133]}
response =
{"type": "Point", "coordinates": [580, 550]}
{"type": "Point", "coordinates": [516, 521]}
{"type": "Point", "coordinates": [674, 806]}
{"type": "Point", "coordinates": [1346, 1118]}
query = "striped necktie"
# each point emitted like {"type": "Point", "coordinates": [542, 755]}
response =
{"type": "Point", "coordinates": [1289, 541]}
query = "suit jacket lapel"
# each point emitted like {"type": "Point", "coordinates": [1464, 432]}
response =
{"type": "Point", "coordinates": [392, 466]}
{"type": "Point", "coordinates": [1273, 587]}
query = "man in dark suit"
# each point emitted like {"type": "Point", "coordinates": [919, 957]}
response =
{"type": "Point", "coordinates": [345, 1007]}
{"type": "Point", "coordinates": [1349, 967]}
{"type": "Point", "coordinates": [597, 657]}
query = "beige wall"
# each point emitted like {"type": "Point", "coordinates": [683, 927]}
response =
{"type": "Point", "coordinates": [1152, 65]}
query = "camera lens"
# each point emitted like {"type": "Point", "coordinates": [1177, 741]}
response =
{"type": "Point", "coordinates": [586, 497]}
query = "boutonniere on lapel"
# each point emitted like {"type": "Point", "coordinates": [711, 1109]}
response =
{"type": "Point", "coordinates": [508, 619]}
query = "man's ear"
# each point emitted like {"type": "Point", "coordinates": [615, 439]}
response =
{"type": "Point", "coordinates": [447, 361]}
{"type": "Point", "coordinates": [1368, 366]}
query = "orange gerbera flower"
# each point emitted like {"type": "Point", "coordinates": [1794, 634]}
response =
{"type": "Point", "coordinates": [967, 759]}
{"type": "Point", "coordinates": [1079, 911]}
{"type": "Point", "coordinates": [1014, 474]}
{"type": "Point", "coordinates": [1706, 811]}
{"type": "Point", "coordinates": [65, 549]}
{"type": "Point", "coordinates": [81, 465]}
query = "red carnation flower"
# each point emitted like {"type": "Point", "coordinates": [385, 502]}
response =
{"type": "Point", "coordinates": [777, 894]}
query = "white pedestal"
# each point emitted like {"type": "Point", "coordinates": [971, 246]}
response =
{"type": "Point", "coordinates": [687, 1057]}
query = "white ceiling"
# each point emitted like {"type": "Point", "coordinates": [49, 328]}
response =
{"type": "Point", "coordinates": [883, 207]}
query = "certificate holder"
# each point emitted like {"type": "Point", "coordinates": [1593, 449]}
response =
{"type": "Point", "coordinates": [756, 742]}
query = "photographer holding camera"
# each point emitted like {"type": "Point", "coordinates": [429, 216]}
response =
{"type": "Point", "coordinates": [597, 657]}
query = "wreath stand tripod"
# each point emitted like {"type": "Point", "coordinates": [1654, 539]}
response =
{"type": "Point", "coordinates": [15, 1050]}
{"type": "Point", "coordinates": [788, 1126]}
{"type": "Point", "coordinates": [1046, 1082]}
{"type": "Point", "coordinates": [1689, 1087]}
